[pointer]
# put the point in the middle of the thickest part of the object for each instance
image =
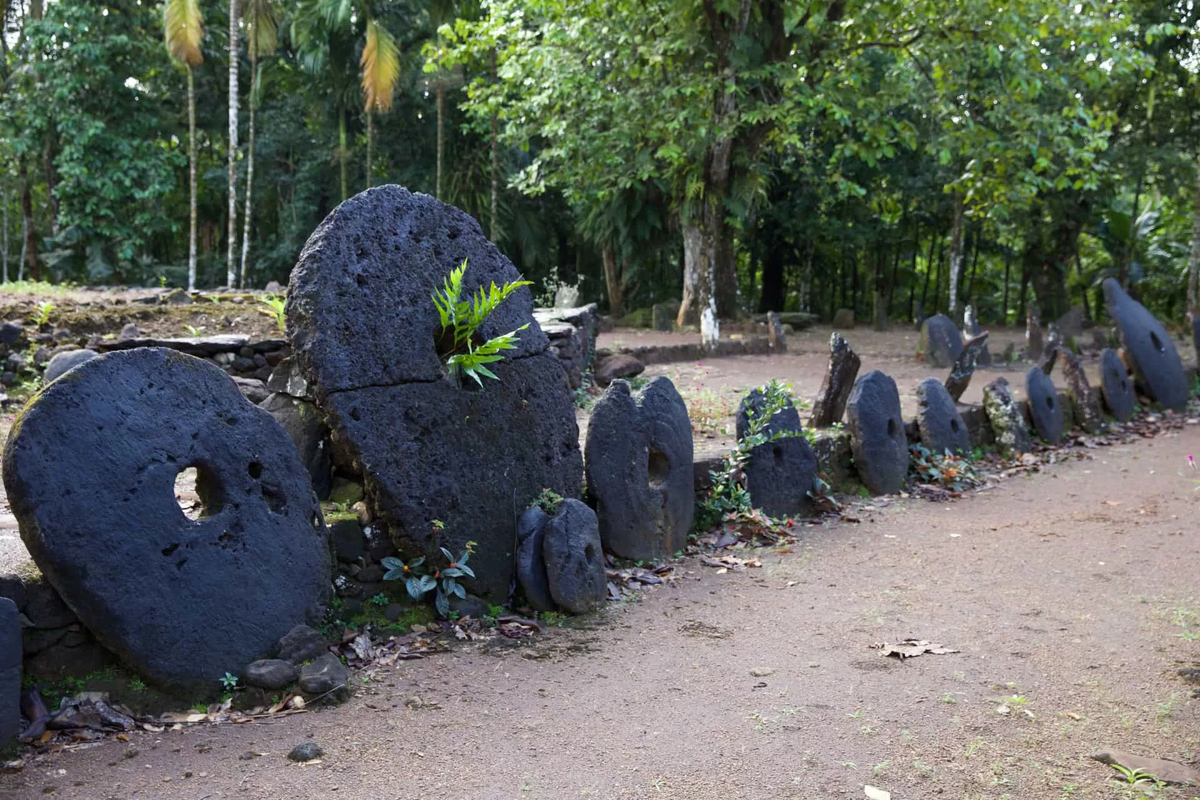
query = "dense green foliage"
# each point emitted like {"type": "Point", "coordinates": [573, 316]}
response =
{"type": "Point", "coordinates": [880, 155]}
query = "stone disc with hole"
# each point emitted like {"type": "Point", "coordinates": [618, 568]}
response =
{"type": "Point", "coordinates": [639, 470]}
{"type": "Point", "coordinates": [367, 338]}
{"type": "Point", "coordinates": [1150, 348]}
{"type": "Point", "coordinates": [779, 473]}
{"type": "Point", "coordinates": [940, 342]}
{"type": "Point", "coordinates": [877, 438]}
{"type": "Point", "coordinates": [90, 469]}
{"type": "Point", "coordinates": [574, 558]}
{"type": "Point", "coordinates": [1044, 407]}
{"type": "Point", "coordinates": [1115, 386]}
{"type": "Point", "coordinates": [940, 425]}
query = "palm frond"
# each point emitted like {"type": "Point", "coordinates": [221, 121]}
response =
{"type": "Point", "coordinates": [184, 28]}
{"type": "Point", "coordinates": [262, 26]}
{"type": "Point", "coordinates": [380, 67]}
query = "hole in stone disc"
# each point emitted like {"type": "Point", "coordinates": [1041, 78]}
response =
{"type": "Point", "coordinates": [198, 492]}
{"type": "Point", "coordinates": [778, 452]}
{"type": "Point", "coordinates": [658, 466]}
{"type": "Point", "coordinates": [1154, 340]}
{"type": "Point", "coordinates": [954, 425]}
{"type": "Point", "coordinates": [1050, 403]}
{"type": "Point", "coordinates": [255, 470]}
{"type": "Point", "coordinates": [589, 552]}
{"type": "Point", "coordinates": [892, 428]}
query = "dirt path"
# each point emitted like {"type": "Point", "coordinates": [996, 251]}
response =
{"type": "Point", "coordinates": [1067, 593]}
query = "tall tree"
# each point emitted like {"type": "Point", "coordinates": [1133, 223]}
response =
{"type": "Point", "coordinates": [262, 22]}
{"type": "Point", "coordinates": [184, 28]}
{"type": "Point", "coordinates": [231, 232]}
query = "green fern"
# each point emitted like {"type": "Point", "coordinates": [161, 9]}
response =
{"type": "Point", "coordinates": [463, 317]}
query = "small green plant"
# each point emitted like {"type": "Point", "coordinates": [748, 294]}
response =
{"type": "Point", "coordinates": [548, 501]}
{"type": "Point", "coordinates": [445, 582]}
{"type": "Point", "coordinates": [162, 281]}
{"type": "Point", "coordinates": [137, 685]}
{"type": "Point", "coordinates": [275, 309]}
{"type": "Point", "coordinates": [229, 682]}
{"type": "Point", "coordinates": [193, 331]}
{"type": "Point", "coordinates": [554, 618]}
{"type": "Point", "coordinates": [380, 599]}
{"type": "Point", "coordinates": [1135, 777]}
{"type": "Point", "coordinates": [461, 319]}
{"type": "Point", "coordinates": [44, 312]}
{"type": "Point", "coordinates": [947, 470]}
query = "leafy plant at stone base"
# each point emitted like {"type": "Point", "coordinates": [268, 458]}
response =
{"type": "Point", "coordinates": [275, 309]}
{"type": "Point", "coordinates": [444, 581]}
{"type": "Point", "coordinates": [953, 472]}
{"type": "Point", "coordinates": [44, 312]}
{"type": "Point", "coordinates": [461, 319]}
{"type": "Point", "coordinates": [229, 682]}
{"type": "Point", "coordinates": [727, 499]}
{"type": "Point", "coordinates": [548, 501]}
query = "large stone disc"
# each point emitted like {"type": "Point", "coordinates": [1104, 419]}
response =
{"type": "Point", "coordinates": [1044, 407]}
{"type": "Point", "coordinates": [877, 437]}
{"type": "Point", "coordinates": [940, 342]}
{"type": "Point", "coordinates": [940, 425]}
{"type": "Point", "coordinates": [1115, 386]}
{"type": "Point", "coordinates": [90, 468]}
{"type": "Point", "coordinates": [1151, 349]}
{"type": "Point", "coordinates": [365, 331]}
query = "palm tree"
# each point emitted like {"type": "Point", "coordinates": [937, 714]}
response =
{"type": "Point", "coordinates": [230, 275]}
{"type": "Point", "coordinates": [326, 34]}
{"type": "Point", "coordinates": [262, 23]}
{"type": "Point", "coordinates": [380, 72]}
{"type": "Point", "coordinates": [184, 28]}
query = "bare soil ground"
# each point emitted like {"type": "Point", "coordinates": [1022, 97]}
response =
{"type": "Point", "coordinates": [1072, 595]}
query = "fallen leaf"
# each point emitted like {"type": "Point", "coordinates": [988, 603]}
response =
{"type": "Point", "coordinates": [876, 794]}
{"type": "Point", "coordinates": [761, 672]}
{"type": "Point", "coordinates": [911, 648]}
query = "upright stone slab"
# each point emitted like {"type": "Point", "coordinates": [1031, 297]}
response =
{"type": "Point", "coordinates": [938, 421]}
{"type": "Point", "coordinates": [365, 334]}
{"type": "Point", "coordinates": [574, 558]}
{"type": "Point", "coordinates": [90, 470]}
{"type": "Point", "coordinates": [639, 469]}
{"type": "Point", "coordinates": [778, 473]}
{"type": "Point", "coordinates": [964, 366]}
{"type": "Point", "coordinates": [940, 341]}
{"type": "Point", "coordinates": [830, 403]}
{"type": "Point", "coordinates": [1044, 408]}
{"type": "Point", "coordinates": [971, 329]}
{"type": "Point", "coordinates": [1149, 347]}
{"type": "Point", "coordinates": [877, 432]}
{"type": "Point", "coordinates": [531, 559]}
{"type": "Point", "coordinates": [1087, 410]}
{"type": "Point", "coordinates": [307, 430]}
{"type": "Point", "coordinates": [1115, 386]}
{"type": "Point", "coordinates": [10, 672]}
{"type": "Point", "coordinates": [1008, 423]}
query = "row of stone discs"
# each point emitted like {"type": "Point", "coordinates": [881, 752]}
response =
{"type": "Point", "coordinates": [90, 470]}
{"type": "Point", "coordinates": [366, 337]}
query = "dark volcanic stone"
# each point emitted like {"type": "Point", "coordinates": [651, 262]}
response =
{"type": "Point", "coordinates": [1083, 400]}
{"type": "Point", "coordinates": [326, 676]}
{"type": "Point", "coordinates": [778, 473]}
{"type": "Point", "coordinates": [44, 606]}
{"type": "Point", "coordinates": [307, 430]}
{"type": "Point", "coordinates": [830, 402]}
{"type": "Point", "coordinates": [253, 390]}
{"type": "Point", "coordinates": [270, 673]}
{"type": "Point", "coordinates": [618, 365]}
{"type": "Point", "coordinates": [574, 558]}
{"type": "Point", "coordinates": [90, 471]}
{"type": "Point", "coordinates": [306, 751]}
{"type": "Point", "coordinates": [1149, 347]}
{"type": "Point", "coordinates": [10, 333]}
{"type": "Point", "coordinates": [10, 672]}
{"type": "Point", "coordinates": [1115, 386]}
{"type": "Point", "coordinates": [531, 563]}
{"type": "Point", "coordinates": [363, 330]}
{"type": "Point", "coordinates": [940, 341]}
{"type": "Point", "coordinates": [940, 425]}
{"type": "Point", "coordinates": [639, 470]}
{"type": "Point", "coordinates": [876, 428]}
{"type": "Point", "coordinates": [349, 544]}
{"type": "Point", "coordinates": [1044, 408]}
{"type": "Point", "coordinates": [1008, 423]}
{"type": "Point", "coordinates": [964, 366]}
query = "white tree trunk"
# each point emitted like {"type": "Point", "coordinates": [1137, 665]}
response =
{"type": "Point", "coordinates": [249, 180]}
{"type": "Point", "coordinates": [191, 100]}
{"type": "Point", "coordinates": [231, 276]}
{"type": "Point", "coordinates": [1194, 260]}
{"type": "Point", "coordinates": [691, 267]}
{"type": "Point", "coordinates": [956, 249]}
{"type": "Point", "coordinates": [5, 244]}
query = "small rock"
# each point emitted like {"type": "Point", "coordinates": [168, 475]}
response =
{"type": "Point", "coordinates": [305, 751]}
{"type": "Point", "coordinates": [270, 673]}
{"type": "Point", "coordinates": [325, 677]}
{"type": "Point", "coordinates": [302, 643]}
{"type": "Point", "coordinates": [177, 297]}
{"type": "Point", "coordinates": [345, 492]}
{"type": "Point", "coordinates": [619, 365]}
{"type": "Point", "coordinates": [130, 331]}
{"type": "Point", "coordinates": [10, 333]}
{"type": "Point", "coordinates": [250, 698]}
{"type": "Point", "coordinates": [348, 540]}
{"type": "Point", "coordinates": [393, 612]}
{"type": "Point", "coordinates": [761, 672]}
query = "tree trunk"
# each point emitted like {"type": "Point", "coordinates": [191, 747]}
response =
{"type": "Point", "coordinates": [1004, 303]}
{"type": "Point", "coordinates": [806, 276]}
{"type": "Point", "coordinates": [614, 282]}
{"type": "Point", "coordinates": [51, 177]}
{"type": "Point", "coordinates": [773, 288]}
{"type": "Point", "coordinates": [191, 101]}
{"type": "Point", "coordinates": [928, 273]}
{"type": "Point", "coordinates": [370, 144]}
{"type": "Point", "coordinates": [441, 137]}
{"type": "Point", "coordinates": [1194, 260]}
{"type": "Point", "coordinates": [30, 248]}
{"type": "Point", "coordinates": [1131, 245]}
{"type": "Point", "coordinates": [4, 237]}
{"type": "Point", "coordinates": [688, 314]}
{"type": "Point", "coordinates": [977, 240]}
{"type": "Point", "coordinates": [231, 249]}
{"type": "Point", "coordinates": [495, 232]}
{"type": "Point", "coordinates": [1087, 306]}
{"type": "Point", "coordinates": [342, 154]}
{"type": "Point", "coordinates": [254, 76]}
{"type": "Point", "coordinates": [956, 250]}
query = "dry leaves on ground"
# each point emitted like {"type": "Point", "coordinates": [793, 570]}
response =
{"type": "Point", "coordinates": [911, 648]}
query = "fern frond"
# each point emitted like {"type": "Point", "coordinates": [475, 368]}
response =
{"type": "Point", "coordinates": [380, 68]}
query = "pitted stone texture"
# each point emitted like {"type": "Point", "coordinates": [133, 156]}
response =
{"type": "Point", "coordinates": [830, 403]}
{"type": "Point", "coordinates": [304, 425]}
{"type": "Point", "coordinates": [938, 420]}
{"type": "Point", "coordinates": [574, 558]}
{"type": "Point", "coordinates": [90, 470]}
{"type": "Point", "coordinates": [531, 562]}
{"type": "Point", "coordinates": [1008, 423]}
{"type": "Point", "coordinates": [1083, 400]}
{"type": "Point", "coordinates": [1044, 407]}
{"type": "Point", "coordinates": [1115, 386]}
{"type": "Point", "coordinates": [363, 330]}
{"type": "Point", "coordinates": [472, 459]}
{"type": "Point", "coordinates": [639, 470]}
{"type": "Point", "coordinates": [940, 341]}
{"type": "Point", "coordinates": [779, 473]}
{"type": "Point", "coordinates": [10, 672]}
{"type": "Point", "coordinates": [358, 305]}
{"type": "Point", "coordinates": [1150, 349]}
{"type": "Point", "coordinates": [876, 428]}
{"type": "Point", "coordinates": [964, 366]}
